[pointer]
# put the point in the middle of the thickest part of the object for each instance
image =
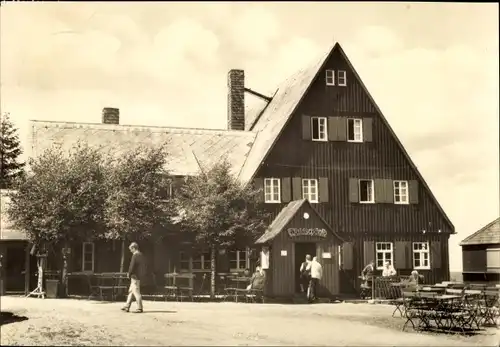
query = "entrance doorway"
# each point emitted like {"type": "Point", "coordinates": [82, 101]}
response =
{"type": "Point", "coordinates": [301, 250]}
{"type": "Point", "coordinates": [15, 259]}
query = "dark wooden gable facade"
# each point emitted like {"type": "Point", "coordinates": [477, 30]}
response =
{"type": "Point", "coordinates": [338, 164]}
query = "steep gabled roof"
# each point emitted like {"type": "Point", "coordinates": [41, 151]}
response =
{"type": "Point", "coordinates": [487, 235]}
{"type": "Point", "coordinates": [188, 148]}
{"type": "Point", "coordinates": [276, 116]}
{"type": "Point", "coordinates": [273, 120]}
{"type": "Point", "coordinates": [285, 216]}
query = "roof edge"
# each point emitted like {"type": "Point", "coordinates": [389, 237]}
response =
{"type": "Point", "coordinates": [464, 241]}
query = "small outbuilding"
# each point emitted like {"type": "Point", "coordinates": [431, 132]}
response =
{"type": "Point", "coordinates": [481, 254]}
{"type": "Point", "coordinates": [296, 231]}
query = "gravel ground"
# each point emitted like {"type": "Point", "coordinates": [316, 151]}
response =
{"type": "Point", "coordinates": [80, 322]}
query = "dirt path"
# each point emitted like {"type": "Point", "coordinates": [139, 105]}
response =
{"type": "Point", "coordinates": [73, 322]}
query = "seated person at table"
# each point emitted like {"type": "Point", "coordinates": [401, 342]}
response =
{"type": "Point", "coordinates": [258, 279]}
{"type": "Point", "coordinates": [414, 278]}
{"type": "Point", "coordinates": [388, 270]}
{"type": "Point", "coordinates": [367, 272]}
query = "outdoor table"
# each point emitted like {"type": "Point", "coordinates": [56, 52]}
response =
{"type": "Point", "coordinates": [235, 291]}
{"type": "Point", "coordinates": [175, 290]}
{"type": "Point", "coordinates": [99, 283]}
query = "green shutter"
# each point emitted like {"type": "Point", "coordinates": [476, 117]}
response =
{"type": "Point", "coordinates": [379, 188]}
{"type": "Point", "coordinates": [353, 190]}
{"type": "Point", "coordinates": [323, 189]}
{"type": "Point", "coordinates": [347, 256]}
{"type": "Point", "coordinates": [286, 189]}
{"type": "Point", "coordinates": [367, 130]}
{"type": "Point", "coordinates": [435, 255]}
{"type": "Point", "coordinates": [368, 251]}
{"type": "Point", "coordinates": [297, 188]}
{"type": "Point", "coordinates": [306, 128]}
{"type": "Point", "coordinates": [413, 191]}
{"type": "Point", "coordinates": [259, 184]}
{"type": "Point", "coordinates": [342, 129]}
{"type": "Point", "coordinates": [389, 191]}
{"type": "Point", "coordinates": [401, 255]}
{"type": "Point", "coordinates": [332, 128]}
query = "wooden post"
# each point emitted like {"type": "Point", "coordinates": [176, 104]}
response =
{"type": "Point", "coordinates": [27, 270]}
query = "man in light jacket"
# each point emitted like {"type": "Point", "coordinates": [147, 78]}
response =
{"type": "Point", "coordinates": [316, 275]}
{"type": "Point", "coordinates": [388, 270]}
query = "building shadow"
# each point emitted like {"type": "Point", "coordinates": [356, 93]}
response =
{"type": "Point", "coordinates": [9, 317]}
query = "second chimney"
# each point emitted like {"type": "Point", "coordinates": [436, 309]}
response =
{"type": "Point", "coordinates": [236, 100]}
{"type": "Point", "coordinates": [110, 115]}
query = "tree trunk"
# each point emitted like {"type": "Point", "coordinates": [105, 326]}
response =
{"type": "Point", "coordinates": [40, 265]}
{"type": "Point", "coordinates": [122, 260]}
{"type": "Point", "coordinates": [212, 272]}
{"type": "Point", "coordinates": [64, 274]}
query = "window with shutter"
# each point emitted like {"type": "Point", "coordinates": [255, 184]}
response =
{"type": "Point", "coordinates": [88, 257]}
{"type": "Point", "coordinates": [421, 259]}
{"type": "Point", "coordinates": [401, 192]}
{"type": "Point", "coordinates": [272, 190]}
{"type": "Point", "coordinates": [310, 190]}
{"type": "Point", "coordinates": [384, 254]}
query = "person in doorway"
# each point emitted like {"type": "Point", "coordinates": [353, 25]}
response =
{"type": "Point", "coordinates": [258, 280]}
{"type": "Point", "coordinates": [388, 270]}
{"type": "Point", "coordinates": [136, 272]}
{"type": "Point", "coordinates": [316, 275]}
{"type": "Point", "coordinates": [305, 273]}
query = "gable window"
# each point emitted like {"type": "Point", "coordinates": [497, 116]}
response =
{"type": "Point", "coordinates": [341, 78]}
{"type": "Point", "coordinates": [330, 77]}
{"type": "Point", "coordinates": [88, 253]}
{"type": "Point", "coordinates": [201, 261]}
{"type": "Point", "coordinates": [239, 260]}
{"type": "Point", "coordinates": [310, 189]}
{"type": "Point", "coordinates": [184, 261]}
{"type": "Point", "coordinates": [400, 192]}
{"type": "Point", "coordinates": [272, 190]}
{"type": "Point", "coordinates": [366, 194]}
{"type": "Point", "coordinates": [318, 129]}
{"type": "Point", "coordinates": [383, 253]}
{"type": "Point", "coordinates": [354, 130]}
{"type": "Point", "coordinates": [421, 256]}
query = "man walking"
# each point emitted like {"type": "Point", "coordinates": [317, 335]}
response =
{"type": "Point", "coordinates": [316, 275]}
{"type": "Point", "coordinates": [136, 272]}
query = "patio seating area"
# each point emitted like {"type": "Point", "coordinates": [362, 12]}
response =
{"type": "Point", "coordinates": [448, 306]}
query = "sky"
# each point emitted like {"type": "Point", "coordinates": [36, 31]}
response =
{"type": "Point", "coordinates": [431, 67]}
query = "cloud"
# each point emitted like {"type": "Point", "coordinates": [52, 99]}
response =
{"type": "Point", "coordinates": [253, 30]}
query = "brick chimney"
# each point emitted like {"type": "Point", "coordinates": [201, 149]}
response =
{"type": "Point", "coordinates": [236, 100]}
{"type": "Point", "coordinates": [110, 115]}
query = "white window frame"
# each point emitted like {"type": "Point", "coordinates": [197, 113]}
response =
{"type": "Point", "coordinates": [401, 199]}
{"type": "Point", "coordinates": [202, 257]}
{"type": "Point", "coordinates": [358, 124]}
{"type": "Point", "coordinates": [272, 197]}
{"type": "Point", "coordinates": [83, 257]}
{"type": "Point", "coordinates": [330, 77]}
{"type": "Point", "coordinates": [322, 129]}
{"type": "Point", "coordinates": [383, 253]}
{"type": "Point", "coordinates": [372, 200]}
{"type": "Point", "coordinates": [242, 256]}
{"type": "Point", "coordinates": [422, 252]}
{"type": "Point", "coordinates": [341, 78]}
{"type": "Point", "coordinates": [307, 183]}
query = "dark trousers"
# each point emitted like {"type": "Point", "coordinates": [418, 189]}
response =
{"type": "Point", "coordinates": [313, 285]}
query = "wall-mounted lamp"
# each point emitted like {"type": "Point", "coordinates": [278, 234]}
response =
{"type": "Point", "coordinates": [306, 215]}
